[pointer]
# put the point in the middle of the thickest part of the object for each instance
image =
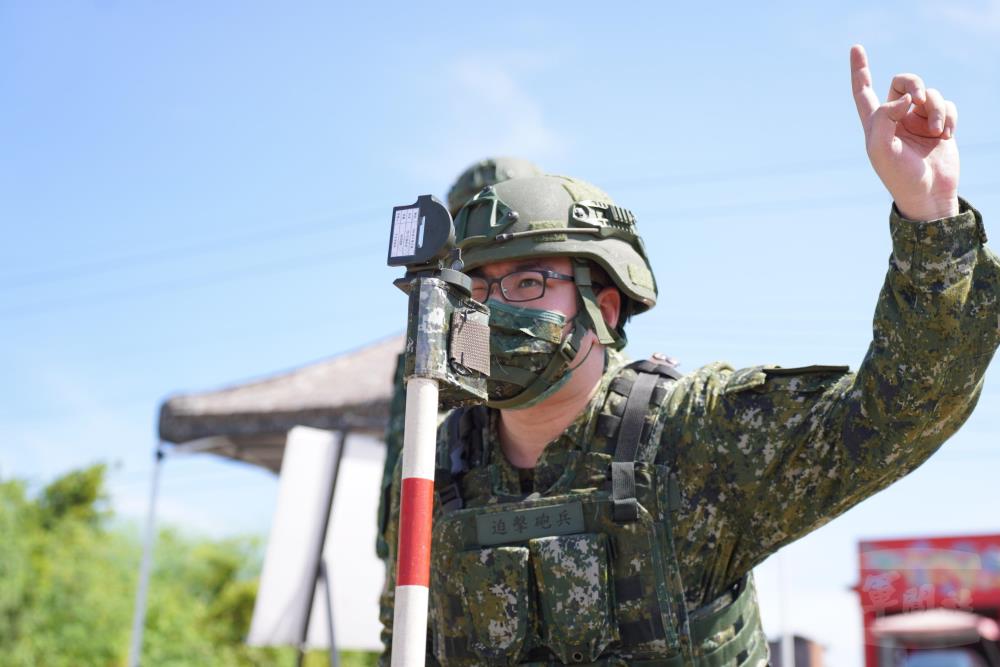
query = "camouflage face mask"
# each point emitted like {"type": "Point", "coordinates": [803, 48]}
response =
{"type": "Point", "coordinates": [529, 354]}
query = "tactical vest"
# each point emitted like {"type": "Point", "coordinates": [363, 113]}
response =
{"type": "Point", "coordinates": [586, 574]}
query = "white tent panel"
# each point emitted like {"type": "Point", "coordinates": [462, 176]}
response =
{"type": "Point", "coordinates": [356, 572]}
{"type": "Point", "coordinates": [290, 563]}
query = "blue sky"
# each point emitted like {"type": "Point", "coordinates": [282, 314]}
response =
{"type": "Point", "coordinates": [193, 194]}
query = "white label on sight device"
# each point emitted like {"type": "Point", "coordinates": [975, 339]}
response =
{"type": "Point", "coordinates": [404, 232]}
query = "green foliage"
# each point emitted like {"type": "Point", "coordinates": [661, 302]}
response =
{"type": "Point", "coordinates": [347, 659]}
{"type": "Point", "coordinates": [358, 659]}
{"type": "Point", "coordinates": [64, 582]}
{"type": "Point", "coordinates": [67, 587]}
{"type": "Point", "coordinates": [78, 495]}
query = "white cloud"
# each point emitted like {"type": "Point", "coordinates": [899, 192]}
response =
{"type": "Point", "coordinates": [495, 113]}
{"type": "Point", "coordinates": [519, 121]}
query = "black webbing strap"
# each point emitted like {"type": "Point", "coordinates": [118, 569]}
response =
{"type": "Point", "coordinates": [626, 507]}
{"type": "Point", "coordinates": [660, 368]}
{"type": "Point", "coordinates": [445, 485]}
{"type": "Point", "coordinates": [644, 630]}
{"type": "Point", "coordinates": [464, 427]}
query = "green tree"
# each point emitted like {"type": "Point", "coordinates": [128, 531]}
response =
{"type": "Point", "coordinates": [77, 495]}
{"type": "Point", "coordinates": [64, 581]}
{"type": "Point", "coordinates": [67, 587]}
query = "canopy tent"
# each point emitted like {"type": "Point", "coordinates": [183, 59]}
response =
{"type": "Point", "coordinates": [250, 421]}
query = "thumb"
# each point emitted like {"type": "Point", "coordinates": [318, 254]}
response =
{"type": "Point", "coordinates": [884, 122]}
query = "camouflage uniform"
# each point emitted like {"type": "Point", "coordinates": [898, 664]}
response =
{"type": "Point", "coordinates": [756, 458]}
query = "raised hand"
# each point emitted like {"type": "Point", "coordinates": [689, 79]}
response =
{"type": "Point", "coordinates": [910, 141]}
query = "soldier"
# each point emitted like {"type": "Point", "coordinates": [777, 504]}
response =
{"type": "Point", "coordinates": [479, 175]}
{"type": "Point", "coordinates": [602, 513]}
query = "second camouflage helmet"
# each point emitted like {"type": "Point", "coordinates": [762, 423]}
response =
{"type": "Point", "coordinates": [487, 172]}
{"type": "Point", "coordinates": [544, 216]}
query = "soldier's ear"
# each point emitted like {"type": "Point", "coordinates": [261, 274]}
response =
{"type": "Point", "coordinates": [609, 300]}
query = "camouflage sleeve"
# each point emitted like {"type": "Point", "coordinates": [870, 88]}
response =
{"type": "Point", "coordinates": [766, 455]}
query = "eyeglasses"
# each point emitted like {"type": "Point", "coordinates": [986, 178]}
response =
{"type": "Point", "coordinates": [516, 286]}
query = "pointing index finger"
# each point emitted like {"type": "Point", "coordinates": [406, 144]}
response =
{"type": "Point", "coordinates": [861, 81]}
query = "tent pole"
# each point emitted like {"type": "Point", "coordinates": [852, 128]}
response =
{"type": "Point", "coordinates": [139, 618]}
{"type": "Point", "coordinates": [321, 566]}
{"type": "Point", "coordinates": [328, 589]}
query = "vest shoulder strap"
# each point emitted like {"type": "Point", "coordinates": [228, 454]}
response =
{"type": "Point", "coordinates": [632, 431]}
{"type": "Point", "coordinates": [459, 451]}
{"type": "Point", "coordinates": [463, 438]}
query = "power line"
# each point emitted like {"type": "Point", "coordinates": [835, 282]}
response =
{"type": "Point", "coordinates": [264, 268]}
{"type": "Point", "coordinates": [727, 210]}
{"type": "Point", "coordinates": [50, 275]}
{"type": "Point", "coordinates": [718, 211]}
{"type": "Point", "coordinates": [162, 254]}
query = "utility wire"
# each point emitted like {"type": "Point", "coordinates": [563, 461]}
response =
{"type": "Point", "coordinates": [162, 254]}
{"type": "Point", "coordinates": [716, 211]}
{"type": "Point", "coordinates": [49, 275]}
{"type": "Point", "coordinates": [264, 268]}
{"type": "Point", "coordinates": [295, 263]}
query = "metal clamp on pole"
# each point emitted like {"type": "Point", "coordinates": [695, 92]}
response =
{"type": "Point", "coordinates": [447, 363]}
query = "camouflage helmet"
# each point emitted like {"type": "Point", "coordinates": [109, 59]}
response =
{"type": "Point", "coordinates": [487, 172]}
{"type": "Point", "coordinates": [544, 216]}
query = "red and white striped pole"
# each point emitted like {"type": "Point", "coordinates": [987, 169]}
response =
{"type": "Point", "coordinates": [413, 563]}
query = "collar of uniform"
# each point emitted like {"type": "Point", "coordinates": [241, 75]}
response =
{"type": "Point", "coordinates": [552, 463]}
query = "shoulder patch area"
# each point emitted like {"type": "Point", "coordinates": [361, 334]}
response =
{"type": "Point", "coordinates": [804, 378]}
{"type": "Point", "coordinates": [778, 371]}
{"type": "Point", "coordinates": [744, 379]}
{"type": "Point", "coordinates": [775, 378]}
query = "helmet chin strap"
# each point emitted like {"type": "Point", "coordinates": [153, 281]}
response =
{"type": "Point", "coordinates": [606, 335]}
